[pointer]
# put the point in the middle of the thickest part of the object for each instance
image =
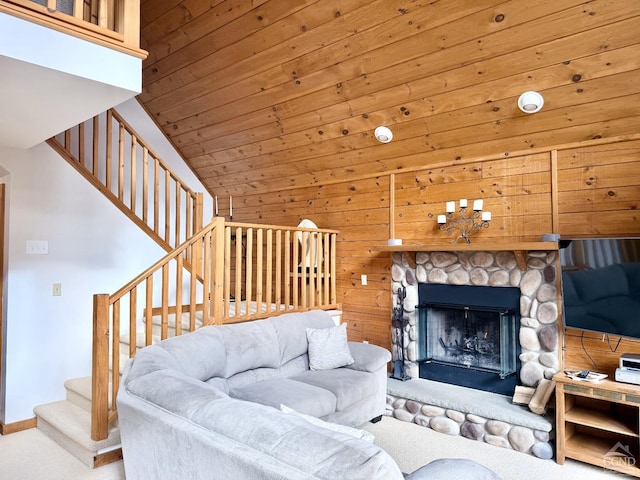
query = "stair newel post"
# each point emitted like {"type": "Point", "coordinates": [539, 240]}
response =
{"type": "Point", "coordinates": [217, 271]}
{"type": "Point", "coordinates": [100, 368]}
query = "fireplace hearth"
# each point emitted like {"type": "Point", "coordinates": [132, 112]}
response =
{"type": "Point", "coordinates": [466, 335]}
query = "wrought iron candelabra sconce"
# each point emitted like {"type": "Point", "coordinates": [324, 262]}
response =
{"type": "Point", "coordinates": [467, 222]}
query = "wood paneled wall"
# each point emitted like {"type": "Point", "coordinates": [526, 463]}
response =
{"type": "Point", "coordinates": [275, 102]}
{"type": "Point", "coordinates": [587, 190]}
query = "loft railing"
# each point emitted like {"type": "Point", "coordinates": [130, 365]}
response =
{"type": "Point", "coordinates": [245, 272]}
{"type": "Point", "coordinates": [108, 152]}
{"type": "Point", "coordinates": [112, 23]}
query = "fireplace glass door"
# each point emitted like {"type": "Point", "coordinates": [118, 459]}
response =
{"type": "Point", "coordinates": [478, 338]}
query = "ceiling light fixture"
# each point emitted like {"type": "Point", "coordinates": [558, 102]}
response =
{"type": "Point", "coordinates": [530, 102]}
{"type": "Point", "coordinates": [383, 134]}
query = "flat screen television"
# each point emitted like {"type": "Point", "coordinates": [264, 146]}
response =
{"type": "Point", "coordinates": [601, 285]}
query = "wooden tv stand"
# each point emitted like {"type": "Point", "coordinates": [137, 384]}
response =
{"type": "Point", "coordinates": [598, 423]}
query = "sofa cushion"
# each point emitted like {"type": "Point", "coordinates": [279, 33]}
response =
{"type": "Point", "coordinates": [335, 427]}
{"type": "Point", "coordinates": [348, 386]}
{"type": "Point", "coordinates": [328, 348]}
{"type": "Point", "coordinates": [199, 354]}
{"type": "Point", "coordinates": [302, 397]}
{"type": "Point", "coordinates": [291, 331]}
{"type": "Point", "coordinates": [250, 345]}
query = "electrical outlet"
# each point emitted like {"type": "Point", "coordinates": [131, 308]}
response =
{"type": "Point", "coordinates": [363, 279]}
{"type": "Point", "coordinates": [57, 289]}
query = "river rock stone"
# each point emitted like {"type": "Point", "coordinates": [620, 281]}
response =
{"type": "Point", "coordinates": [529, 339]}
{"type": "Point", "coordinates": [443, 259]}
{"type": "Point", "coordinates": [421, 274]}
{"type": "Point", "coordinates": [496, 427]}
{"type": "Point", "coordinates": [463, 259]}
{"type": "Point", "coordinates": [530, 282]}
{"type": "Point", "coordinates": [546, 293]}
{"type": "Point", "coordinates": [437, 275]}
{"type": "Point", "coordinates": [514, 277]}
{"type": "Point", "coordinates": [521, 438]}
{"type": "Point", "coordinates": [506, 260]}
{"type": "Point", "coordinates": [410, 277]}
{"type": "Point", "coordinates": [529, 322]}
{"type": "Point", "coordinates": [411, 300]}
{"type": "Point", "coordinates": [548, 336]}
{"type": "Point", "coordinates": [459, 277]}
{"type": "Point", "coordinates": [549, 360]}
{"type": "Point", "coordinates": [422, 420]}
{"type": "Point", "coordinates": [481, 259]}
{"type": "Point", "coordinates": [399, 403]}
{"type": "Point", "coordinates": [542, 450]}
{"type": "Point", "coordinates": [445, 425]}
{"type": "Point", "coordinates": [499, 278]}
{"type": "Point", "coordinates": [412, 406]}
{"type": "Point", "coordinates": [397, 272]}
{"type": "Point", "coordinates": [472, 431]}
{"type": "Point", "coordinates": [497, 441]}
{"type": "Point", "coordinates": [422, 257]}
{"type": "Point", "coordinates": [476, 419]}
{"type": "Point", "coordinates": [402, 414]}
{"type": "Point", "coordinates": [478, 276]}
{"type": "Point", "coordinates": [549, 273]}
{"type": "Point", "coordinates": [432, 411]}
{"type": "Point", "coordinates": [525, 306]}
{"type": "Point", "coordinates": [547, 313]}
{"type": "Point", "coordinates": [531, 373]}
{"type": "Point", "coordinates": [528, 356]}
{"type": "Point", "coordinates": [537, 263]}
{"type": "Point", "coordinates": [455, 415]}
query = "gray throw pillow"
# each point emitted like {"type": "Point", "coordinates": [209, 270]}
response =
{"type": "Point", "coordinates": [328, 348]}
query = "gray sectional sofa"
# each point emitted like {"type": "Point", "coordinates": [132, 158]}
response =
{"type": "Point", "coordinates": [208, 405]}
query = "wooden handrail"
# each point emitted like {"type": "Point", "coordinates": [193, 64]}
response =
{"type": "Point", "coordinates": [133, 177]}
{"type": "Point", "coordinates": [237, 272]}
{"type": "Point", "coordinates": [111, 23]}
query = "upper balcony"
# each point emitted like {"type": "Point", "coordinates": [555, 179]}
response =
{"type": "Point", "coordinates": [63, 61]}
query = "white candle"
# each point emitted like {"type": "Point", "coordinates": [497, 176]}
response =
{"type": "Point", "coordinates": [216, 205]}
{"type": "Point", "coordinates": [463, 203]}
{"type": "Point", "coordinates": [477, 205]}
{"type": "Point", "coordinates": [451, 207]}
{"type": "Point", "coordinates": [230, 206]}
{"type": "Point", "coordinates": [442, 219]}
{"type": "Point", "coordinates": [486, 216]}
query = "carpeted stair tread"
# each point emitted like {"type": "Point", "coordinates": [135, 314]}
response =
{"type": "Point", "coordinates": [70, 426]}
{"type": "Point", "coordinates": [79, 392]}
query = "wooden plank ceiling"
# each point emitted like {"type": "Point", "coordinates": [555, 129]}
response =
{"type": "Point", "coordinates": [265, 95]}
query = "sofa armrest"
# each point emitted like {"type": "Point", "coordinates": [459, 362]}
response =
{"type": "Point", "coordinates": [368, 358]}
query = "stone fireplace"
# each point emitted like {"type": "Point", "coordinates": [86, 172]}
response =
{"type": "Point", "coordinates": [538, 308]}
{"type": "Point", "coordinates": [477, 413]}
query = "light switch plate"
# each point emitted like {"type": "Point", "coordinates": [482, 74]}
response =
{"type": "Point", "coordinates": [37, 247]}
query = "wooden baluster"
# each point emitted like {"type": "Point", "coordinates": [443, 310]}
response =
{"type": "Point", "coordinates": [121, 163]}
{"type": "Point", "coordinates": [179, 272]}
{"type": "Point", "coordinates": [206, 278]}
{"type": "Point", "coordinates": [164, 316]}
{"type": "Point", "coordinates": [96, 145]}
{"type": "Point", "coordinates": [227, 272]}
{"type": "Point", "coordinates": [156, 196]}
{"type": "Point", "coordinates": [178, 214]}
{"type": "Point", "coordinates": [268, 293]}
{"type": "Point", "coordinates": [304, 269]}
{"type": "Point", "coordinates": [78, 9]}
{"type": "Point", "coordinates": [217, 270]}
{"type": "Point", "coordinates": [278, 279]}
{"type": "Point", "coordinates": [148, 321]}
{"type": "Point", "coordinates": [133, 333]}
{"type": "Point", "coordinates": [81, 155]}
{"type": "Point", "coordinates": [109, 150]}
{"type": "Point", "coordinates": [295, 270]}
{"type": "Point", "coordinates": [197, 247]}
{"type": "Point", "coordinates": [100, 368]}
{"type": "Point", "coordinates": [238, 289]}
{"type": "Point", "coordinates": [133, 180]}
{"type": "Point", "coordinates": [145, 186]}
{"type": "Point", "coordinates": [259, 262]}
{"type": "Point", "coordinates": [287, 269]}
{"type": "Point", "coordinates": [167, 206]}
{"type": "Point", "coordinates": [326, 264]}
{"type": "Point", "coordinates": [334, 294]}
{"type": "Point", "coordinates": [248, 273]}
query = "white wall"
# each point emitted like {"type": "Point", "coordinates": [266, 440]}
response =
{"type": "Point", "coordinates": [93, 248]}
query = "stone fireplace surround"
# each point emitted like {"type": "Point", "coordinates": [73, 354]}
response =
{"type": "Point", "coordinates": [538, 338]}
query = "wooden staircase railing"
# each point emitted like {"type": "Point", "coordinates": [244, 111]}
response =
{"type": "Point", "coordinates": [112, 23]}
{"type": "Point", "coordinates": [133, 177]}
{"type": "Point", "coordinates": [247, 272]}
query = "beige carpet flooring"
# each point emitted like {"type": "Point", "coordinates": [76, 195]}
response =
{"type": "Point", "coordinates": [31, 455]}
